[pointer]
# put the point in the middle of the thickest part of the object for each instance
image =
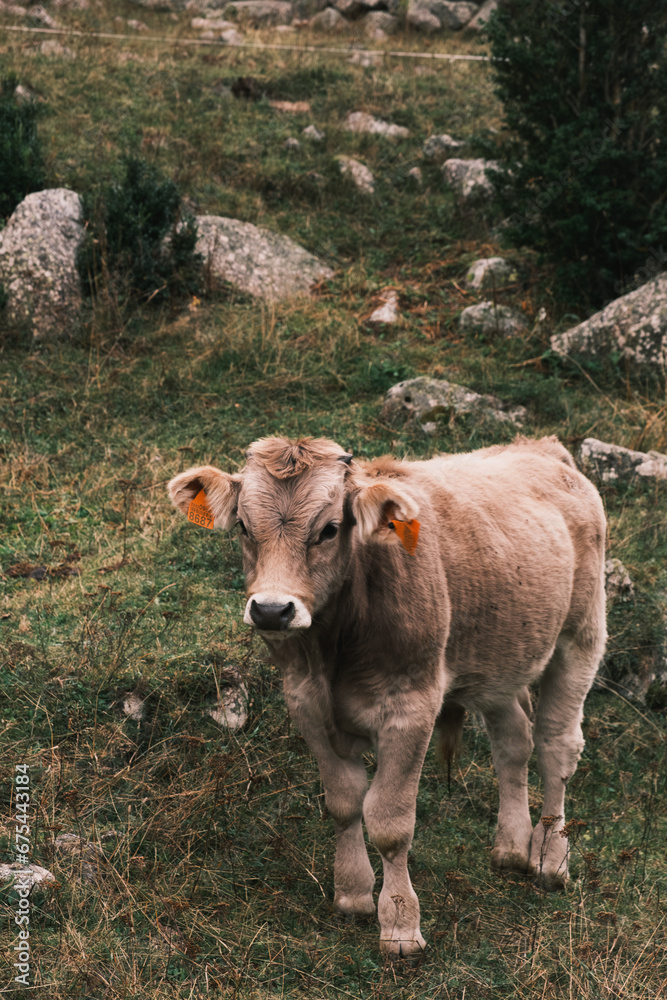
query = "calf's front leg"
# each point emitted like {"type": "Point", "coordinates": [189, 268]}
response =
{"type": "Point", "coordinates": [345, 786]}
{"type": "Point", "coordinates": [389, 812]}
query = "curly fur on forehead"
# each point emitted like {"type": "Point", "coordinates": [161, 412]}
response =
{"type": "Point", "coordinates": [284, 458]}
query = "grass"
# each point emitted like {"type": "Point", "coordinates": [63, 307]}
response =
{"type": "Point", "coordinates": [213, 869]}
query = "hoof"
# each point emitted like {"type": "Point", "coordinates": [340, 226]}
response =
{"type": "Point", "coordinates": [355, 906]}
{"type": "Point", "coordinates": [509, 862]}
{"type": "Point", "coordinates": [398, 950]}
{"type": "Point", "coordinates": [551, 881]}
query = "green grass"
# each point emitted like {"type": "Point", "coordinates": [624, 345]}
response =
{"type": "Point", "coordinates": [215, 877]}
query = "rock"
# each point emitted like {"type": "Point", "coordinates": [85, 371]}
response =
{"type": "Point", "coordinates": [386, 313]}
{"type": "Point", "coordinates": [28, 875]}
{"type": "Point", "coordinates": [635, 325]}
{"type": "Point", "coordinates": [424, 398]}
{"type": "Point", "coordinates": [133, 706]}
{"type": "Point", "coordinates": [482, 16]}
{"type": "Point", "coordinates": [468, 178]}
{"type": "Point", "coordinates": [210, 24]}
{"type": "Point", "coordinates": [366, 59]}
{"type": "Point", "coordinates": [329, 20]}
{"type": "Point", "coordinates": [260, 11]}
{"type": "Point", "coordinates": [489, 319]}
{"type": "Point", "coordinates": [350, 9]}
{"type": "Point", "coordinates": [361, 121]}
{"type": "Point", "coordinates": [232, 37]}
{"type": "Point", "coordinates": [610, 462]}
{"type": "Point", "coordinates": [231, 709]}
{"type": "Point", "coordinates": [358, 173]}
{"type": "Point", "coordinates": [416, 175]}
{"type": "Point", "coordinates": [137, 25]}
{"type": "Point", "coordinates": [38, 250]}
{"type": "Point", "coordinates": [291, 144]}
{"type": "Point", "coordinates": [618, 585]}
{"type": "Point", "coordinates": [490, 272]}
{"type": "Point", "coordinates": [257, 261]}
{"type": "Point", "coordinates": [450, 16]}
{"type": "Point", "coordinates": [379, 21]}
{"type": "Point", "coordinates": [39, 14]}
{"type": "Point", "coordinates": [291, 107]}
{"type": "Point", "coordinates": [422, 20]}
{"type": "Point", "coordinates": [439, 148]}
{"type": "Point", "coordinates": [52, 48]}
{"type": "Point", "coordinates": [313, 134]}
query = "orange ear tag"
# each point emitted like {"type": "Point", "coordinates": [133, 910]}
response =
{"type": "Point", "coordinates": [199, 511]}
{"type": "Point", "coordinates": [408, 532]}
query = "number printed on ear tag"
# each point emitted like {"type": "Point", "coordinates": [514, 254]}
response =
{"type": "Point", "coordinates": [199, 511]}
{"type": "Point", "coordinates": [408, 532]}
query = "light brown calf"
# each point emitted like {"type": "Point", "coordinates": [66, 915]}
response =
{"type": "Point", "coordinates": [378, 645]}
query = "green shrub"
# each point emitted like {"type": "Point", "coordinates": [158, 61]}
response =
{"type": "Point", "coordinates": [140, 243]}
{"type": "Point", "coordinates": [21, 162]}
{"type": "Point", "coordinates": [584, 89]}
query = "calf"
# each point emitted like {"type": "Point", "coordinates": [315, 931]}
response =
{"type": "Point", "coordinates": [382, 635]}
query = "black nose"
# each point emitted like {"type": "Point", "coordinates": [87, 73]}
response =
{"type": "Point", "coordinates": [272, 617]}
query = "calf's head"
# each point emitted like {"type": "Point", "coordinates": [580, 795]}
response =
{"type": "Point", "coordinates": [300, 507]}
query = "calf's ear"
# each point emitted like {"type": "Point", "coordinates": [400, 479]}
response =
{"type": "Point", "coordinates": [221, 489]}
{"type": "Point", "coordinates": [377, 504]}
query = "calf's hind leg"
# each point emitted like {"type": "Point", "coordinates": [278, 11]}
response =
{"type": "Point", "coordinates": [559, 743]}
{"type": "Point", "coordinates": [509, 730]}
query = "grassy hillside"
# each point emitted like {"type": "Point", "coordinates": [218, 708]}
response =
{"type": "Point", "coordinates": [215, 864]}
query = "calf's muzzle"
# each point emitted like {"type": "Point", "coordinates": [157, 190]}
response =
{"type": "Point", "coordinates": [272, 617]}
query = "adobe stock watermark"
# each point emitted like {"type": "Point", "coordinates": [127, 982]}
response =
{"type": "Point", "coordinates": [22, 883]}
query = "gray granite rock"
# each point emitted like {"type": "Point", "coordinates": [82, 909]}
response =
{"type": "Point", "coordinates": [358, 173]}
{"type": "Point", "coordinates": [260, 12]}
{"type": "Point", "coordinates": [424, 398]}
{"type": "Point", "coordinates": [361, 121]}
{"type": "Point", "coordinates": [421, 19]}
{"type": "Point", "coordinates": [329, 20]}
{"type": "Point", "coordinates": [468, 178]}
{"type": "Point", "coordinates": [635, 325]}
{"type": "Point", "coordinates": [450, 16]}
{"type": "Point", "coordinates": [379, 23]}
{"type": "Point", "coordinates": [387, 313]}
{"type": "Point", "coordinates": [38, 250]}
{"type": "Point", "coordinates": [257, 261]}
{"type": "Point", "coordinates": [439, 148]}
{"type": "Point", "coordinates": [489, 272]}
{"type": "Point", "coordinates": [611, 462]}
{"type": "Point", "coordinates": [489, 319]}
{"type": "Point", "coordinates": [28, 875]}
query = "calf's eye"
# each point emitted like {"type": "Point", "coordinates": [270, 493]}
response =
{"type": "Point", "coordinates": [242, 528]}
{"type": "Point", "coordinates": [329, 530]}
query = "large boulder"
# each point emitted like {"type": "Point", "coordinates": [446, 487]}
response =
{"type": "Point", "coordinates": [264, 264]}
{"type": "Point", "coordinates": [424, 398]}
{"type": "Point", "coordinates": [481, 18]}
{"type": "Point", "coordinates": [38, 251]}
{"type": "Point", "coordinates": [611, 462]}
{"type": "Point", "coordinates": [634, 325]}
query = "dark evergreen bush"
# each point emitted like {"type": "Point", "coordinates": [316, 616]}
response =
{"type": "Point", "coordinates": [139, 242]}
{"type": "Point", "coordinates": [584, 89]}
{"type": "Point", "coordinates": [21, 162]}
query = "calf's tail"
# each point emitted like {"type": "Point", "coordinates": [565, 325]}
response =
{"type": "Point", "coordinates": [449, 727]}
